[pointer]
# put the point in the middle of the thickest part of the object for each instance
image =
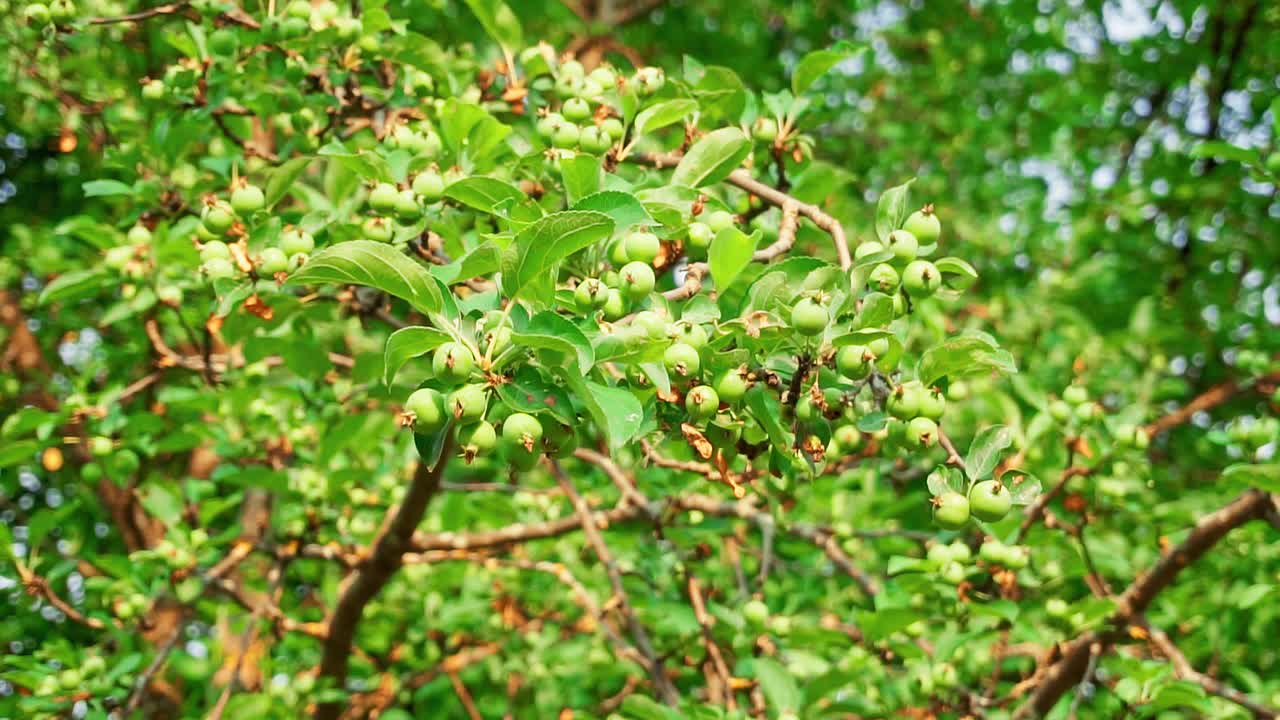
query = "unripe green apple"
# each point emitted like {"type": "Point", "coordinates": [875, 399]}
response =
{"type": "Point", "coordinates": [764, 129]}
{"type": "Point", "coordinates": [429, 186]}
{"type": "Point", "coordinates": [755, 612]}
{"type": "Point", "coordinates": [924, 224]}
{"type": "Point", "coordinates": [382, 198]}
{"type": "Point", "coordinates": [682, 359]}
{"type": "Point", "coordinates": [904, 245]}
{"type": "Point", "coordinates": [452, 362]}
{"type": "Point", "coordinates": [990, 500]}
{"type": "Point", "coordinates": [883, 278]}
{"type": "Point", "coordinates": [378, 229]}
{"type": "Point", "coordinates": [855, 361]}
{"type": "Point", "coordinates": [214, 249]}
{"type": "Point", "coordinates": [720, 220]}
{"type": "Point", "coordinates": [591, 294]}
{"type": "Point", "coordinates": [809, 317]}
{"type": "Point", "coordinates": [273, 260]}
{"type": "Point", "coordinates": [732, 385]}
{"type": "Point", "coordinates": [467, 403]}
{"type": "Point", "coordinates": [575, 110]}
{"type": "Point", "coordinates": [699, 237]}
{"type": "Point", "coordinates": [701, 402]}
{"type": "Point", "coordinates": [922, 432]}
{"type": "Point", "coordinates": [566, 136]}
{"type": "Point", "coordinates": [614, 128]}
{"type": "Point", "coordinates": [594, 140]}
{"type": "Point", "coordinates": [427, 407]}
{"type": "Point", "coordinates": [951, 510]}
{"type": "Point", "coordinates": [296, 240]}
{"type": "Point", "coordinates": [248, 199]}
{"type": "Point", "coordinates": [615, 305]}
{"type": "Point", "coordinates": [218, 217]}
{"type": "Point", "coordinates": [921, 278]}
{"type": "Point", "coordinates": [642, 246]}
{"type": "Point", "coordinates": [637, 280]}
{"type": "Point", "coordinates": [139, 235]}
{"type": "Point", "coordinates": [521, 431]}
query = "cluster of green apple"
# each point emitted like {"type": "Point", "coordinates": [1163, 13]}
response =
{"type": "Point", "coordinates": [581, 121]}
{"type": "Point", "coordinates": [220, 218]}
{"type": "Point", "coordinates": [463, 397]}
{"type": "Point", "coordinates": [1251, 433]}
{"type": "Point", "coordinates": [90, 675]}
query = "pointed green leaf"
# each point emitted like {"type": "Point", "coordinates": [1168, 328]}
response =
{"type": "Point", "coordinates": [712, 158]}
{"type": "Point", "coordinates": [984, 451]}
{"type": "Point", "coordinates": [498, 22]}
{"type": "Point", "coordinates": [730, 253]}
{"type": "Point", "coordinates": [816, 64]}
{"type": "Point", "coordinates": [581, 175]}
{"type": "Point", "coordinates": [663, 114]}
{"type": "Point", "coordinates": [615, 410]}
{"type": "Point", "coordinates": [375, 265]}
{"type": "Point", "coordinates": [892, 209]}
{"type": "Point", "coordinates": [624, 208]}
{"type": "Point", "coordinates": [543, 244]}
{"type": "Point", "coordinates": [407, 343]}
{"type": "Point", "coordinates": [283, 177]}
{"type": "Point", "coordinates": [549, 331]}
{"type": "Point", "coordinates": [484, 193]}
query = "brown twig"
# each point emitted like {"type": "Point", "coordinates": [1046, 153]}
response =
{"type": "Point", "coordinates": [1057, 679]}
{"type": "Point", "coordinates": [372, 575]}
{"type": "Point", "coordinates": [639, 635]}
{"type": "Point", "coordinates": [694, 589]}
{"type": "Point", "coordinates": [1214, 396]}
{"type": "Point", "coordinates": [743, 180]}
{"type": "Point", "coordinates": [157, 11]}
{"type": "Point", "coordinates": [1182, 669]}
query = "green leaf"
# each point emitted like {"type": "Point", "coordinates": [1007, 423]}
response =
{"type": "Point", "coordinates": [75, 285]}
{"type": "Point", "coordinates": [407, 343]}
{"type": "Point", "coordinates": [880, 623]}
{"type": "Point", "coordinates": [712, 158]}
{"type": "Point", "coordinates": [103, 188]}
{"type": "Point", "coordinates": [484, 193]}
{"type": "Point", "coordinates": [367, 165]}
{"type": "Point", "coordinates": [956, 273]}
{"type": "Point", "coordinates": [283, 177]}
{"type": "Point", "coordinates": [876, 311]}
{"type": "Point", "coordinates": [1225, 151]}
{"type": "Point", "coordinates": [730, 253]}
{"type": "Point", "coordinates": [549, 331]}
{"type": "Point", "coordinates": [663, 114]}
{"type": "Point", "coordinates": [767, 411]}
{"type": "Point", "coordinates": [581, 175]}
{"type": "Point", "coordinates": [892, 209]}
{"type": "Point", "coordinates": [543, 244]}
{"type": "Point", "coordinates": [498, 22]}
{"type": "Point", "coordinates": [1179, 693]}
{"type": "Point", "coordinates": [528, 391]}
{"type": "Point", "coordinates": [615, 410]}
{"type": "Point", "coordinates": [1262, 476]}
{"type": "Point", "coordinates": [964, 355]}
{"type": "Point", "coordinates": [15, 452]}
{"type": "Point", "coordinates": [780, 689]}
{"type": "Point", "coordinates": [481, 260]}
{"type": "Point", "coordinates": [816, 64]}
{"type": "Point", "coordinates": [639, 707]}
{"type": "Point", "coordinates": [375, 265]}
{"type": "Point", "coordinates": [984, 451]}
{"type": "Point", "coordinates": [623, 207]}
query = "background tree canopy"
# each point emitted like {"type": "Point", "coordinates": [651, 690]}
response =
{"type": "Point", "coordinates": [639, 359]}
